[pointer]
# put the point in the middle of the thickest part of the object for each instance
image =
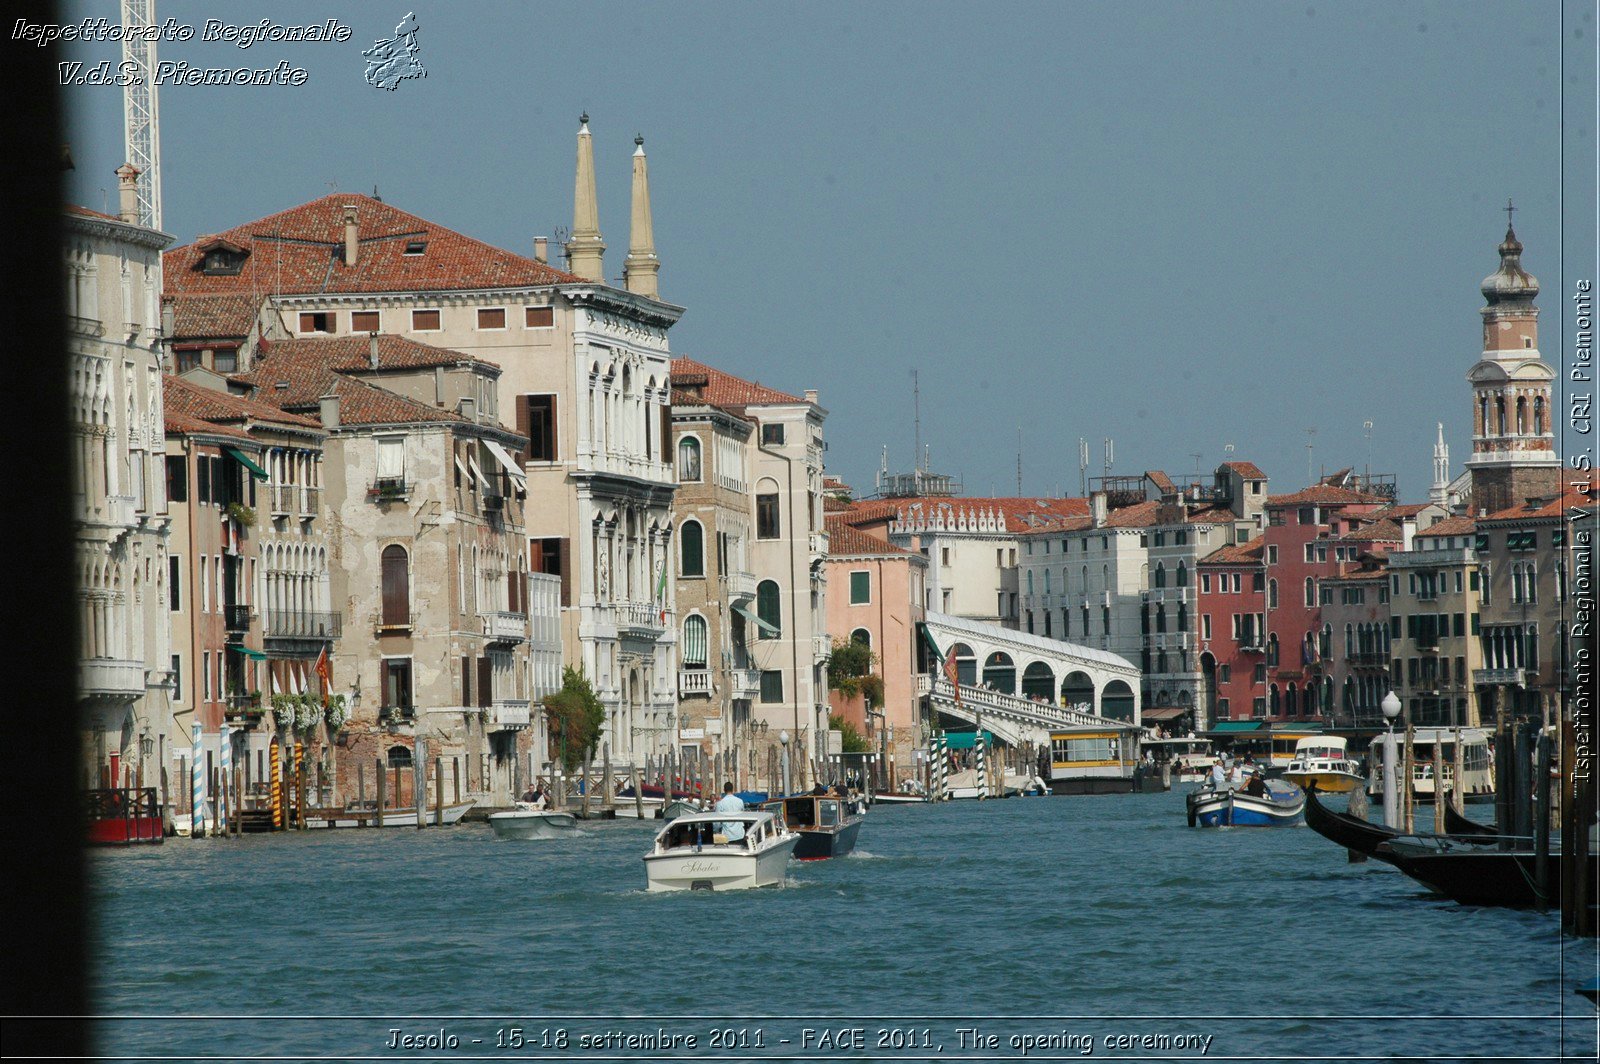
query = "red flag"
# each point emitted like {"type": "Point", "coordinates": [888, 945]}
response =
{"type": "Point", "coordinates": [952, 674]}
{"type": "Point", "coordinates": [325, 671]}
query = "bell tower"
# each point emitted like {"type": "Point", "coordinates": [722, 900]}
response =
{"type": "Point", "coordinates": [1513, 438]}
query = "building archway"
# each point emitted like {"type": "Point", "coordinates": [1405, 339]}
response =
{"type": "Point", "coordinates": [966, 664]}
{"type": "Point", "coordinates": [1077, 691]}
{"type": "Point", "coordinates": [1039, 682]}
{"type": "Point", "coordinates": [1000, 672]}
{"type": "Point", "coordinates": [1117, 702]}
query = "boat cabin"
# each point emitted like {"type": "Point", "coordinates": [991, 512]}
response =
{"type": "Point", "coordinates": [810, 812]}
{"type": "Point", "coordinates": [709, 829]}
{"type": "Point", "coordinates": [1320, 748]}
{"type": "Point", "coordinates": [1093, 760]}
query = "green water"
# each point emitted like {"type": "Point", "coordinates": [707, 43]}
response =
{"type": "Point", "coordinates": [1090, 916]}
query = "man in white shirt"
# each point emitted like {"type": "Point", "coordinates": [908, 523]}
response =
{"type": "Point", "coordinates": [730, 803]}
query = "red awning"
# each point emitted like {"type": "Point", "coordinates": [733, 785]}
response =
{"type": "Point", "coordinates": [1164, 713]}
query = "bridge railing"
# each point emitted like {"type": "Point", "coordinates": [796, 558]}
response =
{"type": "Point", "coordinates": [1040, 714]}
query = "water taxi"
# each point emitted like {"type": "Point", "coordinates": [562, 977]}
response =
{"type": "Point", "coordinates": [1189, 757]}
{"type": "Point", "coordinates": [124, 816]}
{"type": "Point", "coordinates": [827, 824]}
{"type": "Point", "coordinates": [1477, 767]}
{"type": "Point", "coordinates": [693, 852]}
{"type": "Point", "coordinates": [1323, 760]}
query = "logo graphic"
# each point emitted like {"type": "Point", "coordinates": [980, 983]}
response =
{"type": "Point", "coordinates": [393, 61]}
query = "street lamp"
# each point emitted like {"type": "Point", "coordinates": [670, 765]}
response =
{"type": "Point", "coordinates": [1391, 794]}
{"type": "Point", "coordinates": [783, 740]}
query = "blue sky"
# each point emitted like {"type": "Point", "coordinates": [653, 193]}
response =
{"type": "Point", "coordinates": [1181, 226]}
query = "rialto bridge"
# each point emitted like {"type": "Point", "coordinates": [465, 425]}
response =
{"type": "Point", "coordinates": [1022, 686]}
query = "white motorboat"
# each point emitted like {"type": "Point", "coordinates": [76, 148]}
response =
{"type": "Point", "coordinates": [358, 816]}
{"type": "Point", "coordinates": [694, 852]}
{"type": "Point", "coordinates": [526, 822]}
{"type": "Point", "coordinates": [1321, 760]}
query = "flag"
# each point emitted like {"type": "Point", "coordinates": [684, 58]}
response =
{"type": "Point", "coordinates": [661, 593]}
{"type": "Point", "coordinates": [325, 672]}
{"type": "Point", "coordinates": [953, 674]}
{"type": "Point", "coordinates": [1310, 651]}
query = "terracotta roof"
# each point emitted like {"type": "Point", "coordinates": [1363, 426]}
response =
{"type": "Point", "coordinates": [183, 425]}
{"type": "Point", "coordinates": [1451, 526]}
{"type": "Point", "coordinates": [1247, 470]}
{"type": "Point", "coordinates": [1401, 511]}
{"type": "Point", "coordinates": [205, 404]}
{"type": "Point", "coordinates": [73, 208]}
{"type": "Point", "coordinates": [846, 541]}
{"type": "Point", "coordinates": [865, 511]}
{"type": "Point", "coordinates": [1377, 531]}
{"type": "Point", "coordinates": [1060, 524]}
{"type": "Point", "coordinates": [214, 316]}
{"type": "Point", "coordinates": [353, 354]}
{"type": "Point", "coordinates": [1021, 514]}
{"type": "Point", "coordinates": [300, 384]}
{"type": "Point", "coordinates": [300, 251]}
{"type": "Point", "coordinates": [1160, 480]}
{"type": "Point", "coordinates": [1573, 496]}
{"type": "Point", "coordinates": [1236, 554]}
{"type": "Point", "coordinates": [1323, 493]}
{"type": "Point", "coordinates": [832, 505]}
{"type": "Point", "coordinates": [696, 382]}
{"type": "Point", "coordinates": [1139, 515]}
{"type": "Point", "coordinates": [1359, 574]}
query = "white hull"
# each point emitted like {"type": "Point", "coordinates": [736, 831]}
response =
{"type": "Point", "coordinates": [533, 824]}
{"type": "Point", "coordinates": [392, 818]}
{"type": "Point", "coordinates": [719, 867]}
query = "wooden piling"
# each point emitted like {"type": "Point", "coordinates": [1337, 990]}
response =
{"type": "Point", "coordinates": [1408, 780]}
{"type": "Point", "coordinates": [438, 792]}
{"type": "Point", "coordinates": [587, 766]}
{"type": "Point", "coordinates": [455, 777]}
{"type": "Point", "coordinates": [1441, 797]}
{"type": "Point", "coordinates": [1541, 820]}
{"type": "Point", "coordinates": [605, 775]}
{"type": "Point", "coordinates": [638, 792]}
{"type": "Point", "coordinates": [382, 780]}
{"type": "Point", "coordinates": [361, 791]}
{"type": "Point", "coordinates": [1458, 797]}
{"type": "Point", "coordinates": [419, 783]}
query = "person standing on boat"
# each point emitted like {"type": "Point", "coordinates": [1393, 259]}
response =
{"type": "Point", "coordinates": [730, 803]}
{"type": "Point", "coordinates": [1219, 775]}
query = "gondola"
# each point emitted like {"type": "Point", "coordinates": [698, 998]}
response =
{"type": "Point", "coordinates": [1351, 832]}
{"type": "Point", "coordinates": [1476, 873]}
{"type": "Point", "coordinates": [1456, 824]}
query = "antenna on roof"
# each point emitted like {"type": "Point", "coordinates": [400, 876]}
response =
{"type": "Point", "coordinates": [375, 193]}
{"type": "Point", "coordinates": [1019, 461]}
{"type": "Point", "coordinates": [1367, 427]}
{"type": "Point", "coordinates": [916, 421]}
{"type": "Point", "coordinates": [1083, 466]}
{"type": "Point", "coordinates": [1311, 475]}
{"type": "Point", "coordinates": [1109, 451]}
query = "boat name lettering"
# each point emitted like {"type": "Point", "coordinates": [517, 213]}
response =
{"type": "Point", "coordinates": [690, 867]}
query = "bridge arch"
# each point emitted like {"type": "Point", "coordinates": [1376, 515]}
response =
{"type": "Point", "coordinates": [1077, 689]}
{"type": "Point", "coordinates": [966, 663]}
{"type": "Point", "coordinates": [1039, 682]}
{"type": "Point", "coordinates": [1000, 672]}
{"type": "Point", "coordinates": [1117, 701]}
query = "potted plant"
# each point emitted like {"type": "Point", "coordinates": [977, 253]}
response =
{"type": "Point", "coordinates": [241, 514]}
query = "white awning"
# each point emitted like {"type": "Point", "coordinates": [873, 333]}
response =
{"type": "Point", "coordinates": [461, 468]}
{"type": "Point", "coordinates": [509, 462]}
{"type": "Point", "coordinates": [483, 481]}
{"type": "Point", "coordinates": [750, 616]}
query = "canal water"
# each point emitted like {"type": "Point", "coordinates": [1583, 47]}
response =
{"type": "Point", "coordinates": [1104, 919]}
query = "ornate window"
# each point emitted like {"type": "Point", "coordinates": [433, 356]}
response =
{"type": "Point", "coordinates": [689, 460]}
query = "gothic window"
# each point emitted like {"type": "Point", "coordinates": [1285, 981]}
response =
{"type": "Point", "coordinates": [768, 609]}
{"type": "Point", "coordinates": [691, 544]}
{"type": "Point", "coordinates": [689, 460]}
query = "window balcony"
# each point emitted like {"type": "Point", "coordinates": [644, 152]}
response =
{"type": "Point", "coordinates": [641, 620]}
{"type": "Point", "coordinates": [283, 500]}
{"type": "Point", "coordinates": [310, 501]}
{"type": "Point", "coordinates": [110, 678]}
{"type": "Point", "coordinates": [396, 714]}
{"type": "Point", "coordinates": [236, 618]}
{"type": "Point", "coordinates": [120, 510]}
{"type": "Point", "coordinates": [507, 714]}
{"type": "Point", "coordinates": [388, 489]}
{"type": "Point", "coordinates": [284, 624]}
{"type": "Point", "coordinates": [694, 683]}
{"type": "Point", "coordinates": [821, 647]}
{"type": "Point", "coordinates": [503, 626]}
{"type": "Point", "coordinates": [746, 683]}
{"type": "Point", "coordinates": [924, 684]}
{"type": "Point", "coordinates": [1367, 659]}
{"type": "Point", "coordinates": [741, 586]}
{"type": "Point", "coordinates": [1499, 677]}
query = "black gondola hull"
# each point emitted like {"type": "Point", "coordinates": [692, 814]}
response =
{"type": "Point", "coordinates": [1348, 831]}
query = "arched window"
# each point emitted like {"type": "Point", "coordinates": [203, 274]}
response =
{"type": "Point", "coordinates": [1161, 575]}
{"type": "Point", "coordinates": [1000, 672]}
{"type": "Point", "coordinates": [1483, 415]}
{"type": "Point", "coordinates": [1183, 617]}
{"type": "Point", "coordinates": [1272, 594]}
{"type": "Point", "coordinates": [1039, 682]}
{"type": "Point", "coordinates": [862, 636]}
{"type": "Point", "coordinates": [1161, 616]}
{"type": "Point", "coordinates": [1311, 592]}
{"type": "Point", "coordinates": [689, 460]}
{"type": "Point", "coordinates": [1272, 650]}
{"type": "Point", "coordinates": [694, 642]}
{"type": "Point", "coordinates": [966, 664]}
{"type": "Point", "coordinates": [399, 757]}
{"type": "Point", "coordinates": [1274, 701]}
{"type": "Point", "coordinates": [1183, 575]}
{"type": "Point", "coordinates": [1500, 414]}
{"type": "Point", "coordinates": [1538, 415]}
{"type": "Point", "coordinates": [691, 547]}
{"type": "Point", "coordinates": [767, 609]}
{"type": "Point", "coordinates": [396, 587]}
{"type": "Point", "coordinates": [1349, 639]}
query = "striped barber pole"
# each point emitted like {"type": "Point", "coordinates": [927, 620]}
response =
{"type": "Point", "coordinates": [225, 765]}
{"type": "Point", "coordinates": [197, 786]}
{"type": "Point", "coordinates": [941, 763]}
{"type": "Point", "coordinates": [276, 766]}
{"type": "Point", "coordinates": [980, 749]}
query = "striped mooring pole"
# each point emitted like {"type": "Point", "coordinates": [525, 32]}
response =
{"type": "Point", "coordinates": [941, 753]}
{"type": "Point", "coordinates": [197, 785]}
{"type": "Point", "coordinates": [225, 764]}
{"type": "Point", "coordinates": [981, 759]}
{"type": "Point", "coordinates": [277, 786]}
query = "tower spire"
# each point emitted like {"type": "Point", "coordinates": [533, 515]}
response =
{"type": "Point", "coordinates": [1439, 493]}
{"type": "Point", "coordinates": [640, 270]}
{"type": "Point", "coordinates": [585, 251]}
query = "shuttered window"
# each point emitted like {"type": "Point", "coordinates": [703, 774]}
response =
{"type": "Point", "coordinates": [363, 321]}
{"type": "Point", "coordinates": [536, 419]}
{"type": "Point", "coordinates": [539, 317]}
{"type": "Point", "coordinates": [396, 587]}
{"type": "Point", "coordinates": [485, 681]}
{"type": "Point", "coordinates": [694, 642]}
{"type": "Point", "coordinates": [691, 543]}
{"type": "Point", "coordinates": [768, 609]}
{"type": "Point", "coordinates": [466, 680]}
{"type": "Point", "coordinates": [424, 321]}
{"type": "Point", "coordinates": [491, 317]}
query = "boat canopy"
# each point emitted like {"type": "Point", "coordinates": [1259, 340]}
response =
{"type": "Point", "coordinates": [1321, 746]}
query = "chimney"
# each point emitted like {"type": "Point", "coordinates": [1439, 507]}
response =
{"type": "Point", "coordinates": [169, 320]}
{"type": "Point", "coordinates": [349, 234]}
{"type": "Point", "coordinates": [372, 350]}
{"type": "Point", "coordinates": [329, 411]}
{"type": "Point", "coordinates": [585, 251]}
{"type": "Point", "coordinates": [438, 387]}
{"type": "Point", "coordinates": [811, 396]}
{"type": "Point", "coordinates": [541, 249]}
{"type": "Point", "coordinates": [128, 193]}
{"type": "Point", "coordinates": [1097, 509]}
{"type": "Point", "coordinates": [640, 270]}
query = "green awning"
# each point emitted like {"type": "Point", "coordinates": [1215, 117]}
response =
{"type": "Point", "coordinates": [253, 655]}
{"type": "Point", "coordinates": [1235, 726]}
{"type": "Point", "coordinates": [244, 460]}
{"type": "Point", "coordinates": [750, 616]}
{"type": "Point", "coordinates": [1297, 729]}
{"type": "Point", "coordinates": [965, 740]}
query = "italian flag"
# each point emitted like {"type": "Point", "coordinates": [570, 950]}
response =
{"type": "Point", "coordinates": [661, 593]}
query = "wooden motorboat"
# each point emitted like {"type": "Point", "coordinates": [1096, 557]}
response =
{"type": "Point", "coordinates": [526, 822]}
{"type": "Point", "coordinates": [367, 816]}
{"type": "Point", "coordinates": [1279, 804]}
{"type": "Point", "coordinates": [1323, 761]}
{"type": "Point", "coordinates": [694, 852]}
{"type": "Point", "coordinates": [123, 816]}
{"type": "Point", "coordinates": [826, 824]}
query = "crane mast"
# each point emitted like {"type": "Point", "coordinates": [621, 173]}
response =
{"type": "Point", "coordinates": [140, 121]}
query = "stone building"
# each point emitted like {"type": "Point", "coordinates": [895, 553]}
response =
{"type": "Point", "coordinates": [1433, 644]}
{"type": "Point", "coordinates": [1356, 655]}
{"type": "Point", "coordinates": [113, 284]}
{"type": "Point", "coordinates": [584, 380]}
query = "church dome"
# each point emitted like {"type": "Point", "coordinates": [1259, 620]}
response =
{"type": "Point", "coordinates": [1510, 283]}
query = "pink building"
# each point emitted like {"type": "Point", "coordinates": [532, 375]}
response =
{"type": "Point", "coordinates": [1232, 607]}
{"type": "Point", "coordinates": [875, 596]}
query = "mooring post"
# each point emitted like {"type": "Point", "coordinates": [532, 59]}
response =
{"type": "Point", "coordinates": [438, 792]}
{"type": "Point", "coordinates": [1408, 780]}
{"type": "Point", "coordinates": [605, 775]}
{"type": "Point", "coordinates": [383, 780]}
{"type": "Point", "coordinates": [1541, 820]}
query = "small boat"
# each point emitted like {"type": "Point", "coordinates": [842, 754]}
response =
{"type": "Point", "coordinates": [827, 824]}
{"type": "Point", "coordinates": [367, 816]}
{"type": "Point", "coordinates": [693, 853]}
{"type": "Point", "coordinates": [1279, 804]}
{"type": "Point", "coordinates": [679, 807]}
{"type": "Point", "coordinates": [526, 822]}
{"type": "Point", "coordinates": [1351, 832]}
{"type": "Point", "coordinates": [1322, 760]}
{"type": "Point", "coordinates": [124, 816]}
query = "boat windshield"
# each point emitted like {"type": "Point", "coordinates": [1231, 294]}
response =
{"type": "Point", "coordinates": [684, 833]}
